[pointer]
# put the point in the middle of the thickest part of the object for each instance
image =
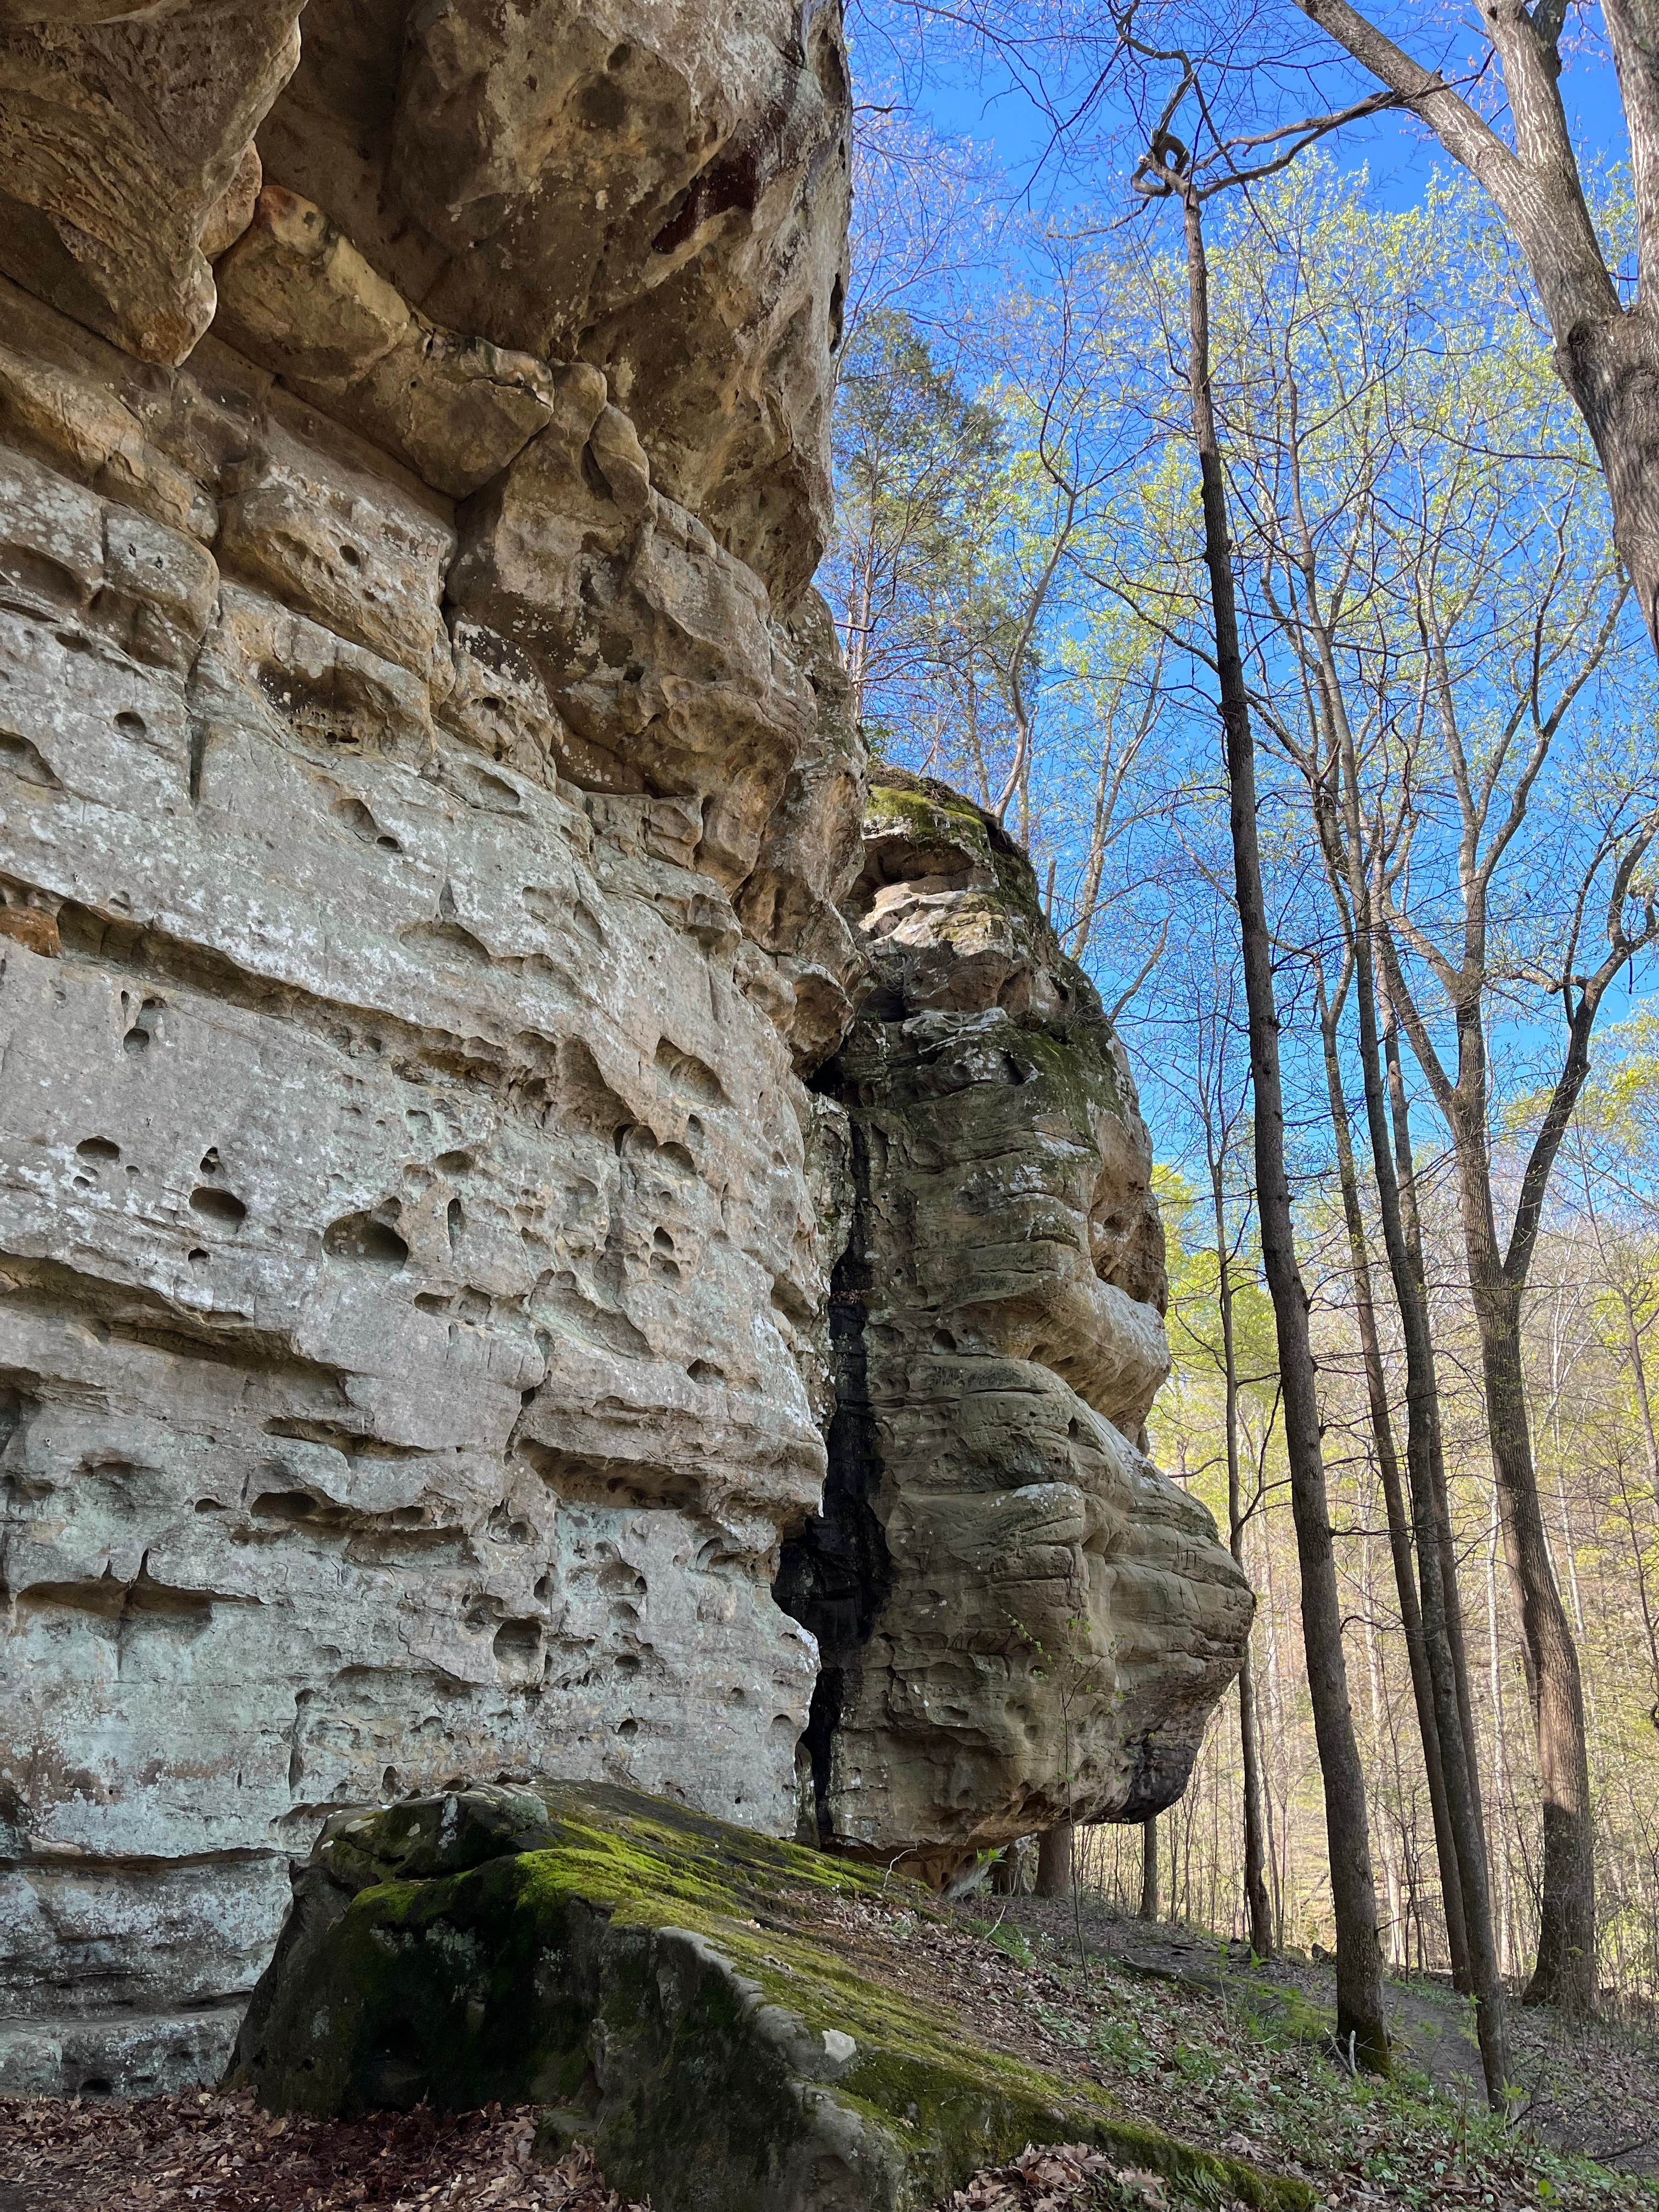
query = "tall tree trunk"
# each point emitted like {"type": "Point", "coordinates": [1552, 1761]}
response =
{"type": "Point", "coordinates": [1400, 1537]}
{"type": "Point", "coordinates": [1564, 1972]}
{"type": "Point", "coordinates": [1422, 1447]}
{"type": "Point", "coordinates": [1149, 1869]}
{"type": "Point", "coordinates": [1053, 1874]}
{"type": "Point", "coordinates": [1257, 1903]}
{"type": "Point", "coordinates": [1405, 1166]}
{"type": "Point", "coordinates": [1359, 2019]}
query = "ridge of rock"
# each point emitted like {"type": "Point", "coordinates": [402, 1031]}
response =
{"type": "Point", "coordinates": [667, 1986]}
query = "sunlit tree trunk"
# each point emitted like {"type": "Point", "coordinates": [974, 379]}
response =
{"type": "Point", "coordinates": [1359, 2016]}
{"type": "Point", "coordinates": [1399, 1532]}
{"type": "Point", "coordinates": [1256, 1906]}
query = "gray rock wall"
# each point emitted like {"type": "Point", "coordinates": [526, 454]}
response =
{"type": "Point", "coordinates": [421, 835]}
{"type": "Point", "coordinates": [427, 812]}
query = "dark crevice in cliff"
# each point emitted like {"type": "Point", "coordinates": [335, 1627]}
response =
{"type": "Point", "coordinates": [834, 1577]}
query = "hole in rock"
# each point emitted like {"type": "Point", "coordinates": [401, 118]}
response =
{"type": "Point", "coordinates": [453, 1163]}
{"type": "Point", "coordinates": [130, 724]}
{"type": "Point", "coordinates": [455, 1221]}
{"type": "Point", "coordinates": [685, 1072]}
{"type": "Point", "coordinates": [351, 557]}
{"type": "Point", "coordinates": [210, 1162]}
{"type": "Point", "coordinates": [197, 1255]}
{"type": "Point", "coordinates": [27, 762]}
{"type": "Point", "coordinates": [662, 1241]}
{"type": "Point", "coordinates": [943, 1340]}
{"type": "Point", "coordinates": [84, 1182]}
{"type": "Point", "coordinates": [361, 1236]}
{"type": "Point", "coordinates": [629, 1728]}
{"type": "Point", "coordinates": [517, 1641]}
{"type": "Point", "coordinates": [431, 1301]}
{"type": "Point", "coordinates": [505, 1529]}
{"type": "Point", "coordinates": [389, 1782]}
{"type": "Point", "coordinates": [628, 1662]}
{"type": "Point", "coordinates": [704, 1371]}
{"type": "Point", "coordinates": [218, 1205]}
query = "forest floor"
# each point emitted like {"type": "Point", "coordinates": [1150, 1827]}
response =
{"type": "Point", "coordinates": [1182, 2029]}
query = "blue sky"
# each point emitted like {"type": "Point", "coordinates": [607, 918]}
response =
{"type": "Point", "coordinates": [962, 98]}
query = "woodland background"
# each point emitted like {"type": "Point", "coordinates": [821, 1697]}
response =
{"type": "Point", "coordinates": [1421, 532]}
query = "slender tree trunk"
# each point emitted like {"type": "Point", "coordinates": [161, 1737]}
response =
{"type": "Point", "coordinates": [1564, 1972]}
{"type": "Point", "coordinates": [1149, 1869]}
{"type": "Point", "coordinates": [1359, 2018]}
{"type": "Point", "coordinates": [1400, 1538]}
{"type": "Point", "coordinates": [1411, 1221]}
{"type": "Point", "coordinates": [1054, 1874]}
{"type": "Point", "coordinates": [1256, 1881]}
{"type": "Point", "coordinates": [1500, 1767]}
{"type": "Point", "coordinates": [1422, 1446]}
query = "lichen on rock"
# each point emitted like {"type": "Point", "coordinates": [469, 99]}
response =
{"type": "Point", "coordinates": [662, 1984]}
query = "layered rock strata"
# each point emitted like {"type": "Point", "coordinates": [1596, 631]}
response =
{"type": "Point", "coordinates": [422, 827]}
{"type": "Point", "coordinates": [1020, 1620]}
{"type": "Point", "coordinates": [428, 801]}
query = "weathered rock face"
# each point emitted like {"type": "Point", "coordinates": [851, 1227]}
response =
{"type": "Point", "coordinates": [428, 800]}
{"type": "Point", "coordinates": [1020, 1620]}
{"type": "Point", "coordinates": [413, 914]}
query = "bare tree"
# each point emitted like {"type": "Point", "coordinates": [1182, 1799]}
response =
{"type": "Point", "coordinates": [1611, 899]}
{"type": "Point", "coordinates": [1168, 171]}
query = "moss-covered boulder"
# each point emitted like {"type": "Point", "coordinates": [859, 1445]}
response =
{"type": "Point", "coordinates": [668, 1987]}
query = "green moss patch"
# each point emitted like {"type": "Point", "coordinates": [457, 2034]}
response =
{"type": "Point", "coordinates": [666, 1986]}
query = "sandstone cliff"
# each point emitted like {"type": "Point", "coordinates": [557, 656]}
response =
{"type": "Point", "coordinates": [427, 804]}
{"type": "Point", "coordinates": [1020, 1620]}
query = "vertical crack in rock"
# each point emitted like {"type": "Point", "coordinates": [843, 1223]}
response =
{"type": "Point", "coordinates": [1020, 1620]}
{"type": "Point", "coordinates": [837, 1574]}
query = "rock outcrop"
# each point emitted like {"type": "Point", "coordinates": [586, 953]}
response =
{"type": "Point", "coordinates": [428, 803]}
{"type": "Point", "coordinates": [425, 796]}
{"type": "Point", "coordinates": [676, 1990]}
{"type": "Point", "coordinates": [1020, 1620]}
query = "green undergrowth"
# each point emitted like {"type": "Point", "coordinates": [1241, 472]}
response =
{"type": "Point", "coordinates": [1251, 2063]}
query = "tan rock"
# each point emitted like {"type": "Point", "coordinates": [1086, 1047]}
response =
{"type": "Point", "coordinates": [316, 523]}
{"type": "Point", "coordinates": [1020, 1620]}
{"type": "Point", "coordinates": [121, 144]}
{"type": "Point", "coordinates": [661, 188]}
{"type": "Point", "coordinates": [297, 297]}
{"type": "Point", "coordinates": [656, 645]}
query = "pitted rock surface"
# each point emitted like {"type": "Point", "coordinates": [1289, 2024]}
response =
{"type": "Point", "coordinates": [429, 804]}
{"type": "Point", "coordinates": [1021, 1620]}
